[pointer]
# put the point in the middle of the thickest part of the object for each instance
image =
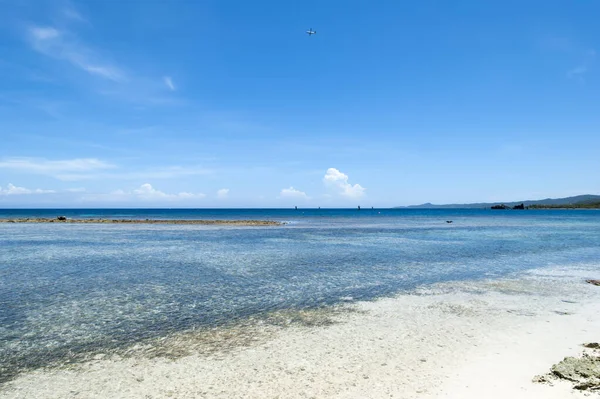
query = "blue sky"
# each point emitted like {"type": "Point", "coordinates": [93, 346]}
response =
{"type": "Point", "coordinates": [230, 104]}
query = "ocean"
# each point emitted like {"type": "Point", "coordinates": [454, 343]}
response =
{"type": "Point", "coordinates": [71, 289]}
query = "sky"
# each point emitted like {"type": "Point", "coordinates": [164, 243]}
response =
{"type": "Point", "coordinates": [229, 103]}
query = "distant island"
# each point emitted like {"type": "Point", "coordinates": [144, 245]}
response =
{"type": "Point", "coordinates": [587, 201]}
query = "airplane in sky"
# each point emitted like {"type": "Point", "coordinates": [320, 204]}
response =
{"type": "Point", "coordinates": [311, 32]}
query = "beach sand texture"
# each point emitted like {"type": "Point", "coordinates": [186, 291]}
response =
{"type": "Point", "coordinates": [485, 339]}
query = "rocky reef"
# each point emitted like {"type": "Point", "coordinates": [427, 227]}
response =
{"type": "Point", "coordinates": [583, 371]}
{"type": "Point", "coordinates": [63, 219]}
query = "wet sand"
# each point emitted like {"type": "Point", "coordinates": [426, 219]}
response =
{"type": "Point", "coordinates": [146, 221]}
{"type": "Point", "coordinates": [479, 339]}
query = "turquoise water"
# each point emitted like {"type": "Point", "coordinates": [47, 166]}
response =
{"type": "Point", "coordinates": [71, 289]}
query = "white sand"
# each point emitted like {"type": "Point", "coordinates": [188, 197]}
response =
{"type": "Point", "coordinates": [460, 340]}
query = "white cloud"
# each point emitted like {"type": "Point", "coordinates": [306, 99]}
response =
{"type": "Point", "coordinates": [292, 193]}
{"type": "Point", "coordinates": [169, 83]}
{"type": "Point", "coordinates": [11, 189]}
{"type": "Point", "coordinates": [147, 192]}
{"type": "Point", "coordinates": [184, 195]}
{"type": "Point", "coordinates": [338, 181]}
{"type": "Point", "coordinates": [223, 193]}
{"type": "Point", "coordinates": [60, 45]}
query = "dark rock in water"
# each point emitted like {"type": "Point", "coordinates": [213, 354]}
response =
{"type": "Point", "coordinates": [521, 206]}
{"type": "Point", "coordinates": [448, 221]}
{"type": "Point", "coordinates": [62, 218]}
{"type": "Point", "coordinates": [592, 345]}
{"type": "Point", "coordinates": [501, 206]}
{"type": "Point", "coordinates": [593, 282]}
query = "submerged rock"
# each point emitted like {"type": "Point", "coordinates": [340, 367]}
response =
{"type": "Point", "coordinates": [593, 282]}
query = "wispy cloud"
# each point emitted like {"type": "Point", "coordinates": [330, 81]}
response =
{"type": "Point", "coordinates": [169, 83]}
{"type": "Point", "coordinates": [54, 168]}
{"type": "Point", "coordinates": [146, 192]}
{"type": "Point", "coordinates": [166, 172]}
{"type": "Point", "coordinates": [581, 55]}
{"type": "Point", "coordinates": [44, 33]}
{"type": "Point", "coordinates": [223, 193]}
{"type": "Point", "coordinates": [578, 72]}
{"type": "Point", "coordinates": [11, 189]}
{"type": "Point", "coordinates": [94, 169]}
{"type": "Point", "coordinates": [63, 42]}
{"type": "Point", "coordinates": [169, 172]}
{"type": "Point", "coordinates": [62, 45]}
{"type": "Point", "coordinates": [73, 14]}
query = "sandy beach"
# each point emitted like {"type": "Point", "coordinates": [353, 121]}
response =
{"type": "Point", "coordinates": [481, 339]}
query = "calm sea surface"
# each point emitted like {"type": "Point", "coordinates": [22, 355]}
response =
{"type": "Point", "coordinates": [68, 289]}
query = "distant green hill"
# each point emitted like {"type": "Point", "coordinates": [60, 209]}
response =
{"type": "Point", "coordinates": [579, 201]}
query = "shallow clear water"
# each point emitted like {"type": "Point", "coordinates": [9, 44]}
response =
{"type": "Point", "coordinates": [68, 289]}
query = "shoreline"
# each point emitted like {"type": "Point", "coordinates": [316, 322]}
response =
{"type": "Point", "coordinates": [470, 339]}
{"type": "Point", "coordinates": [63, 220]}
